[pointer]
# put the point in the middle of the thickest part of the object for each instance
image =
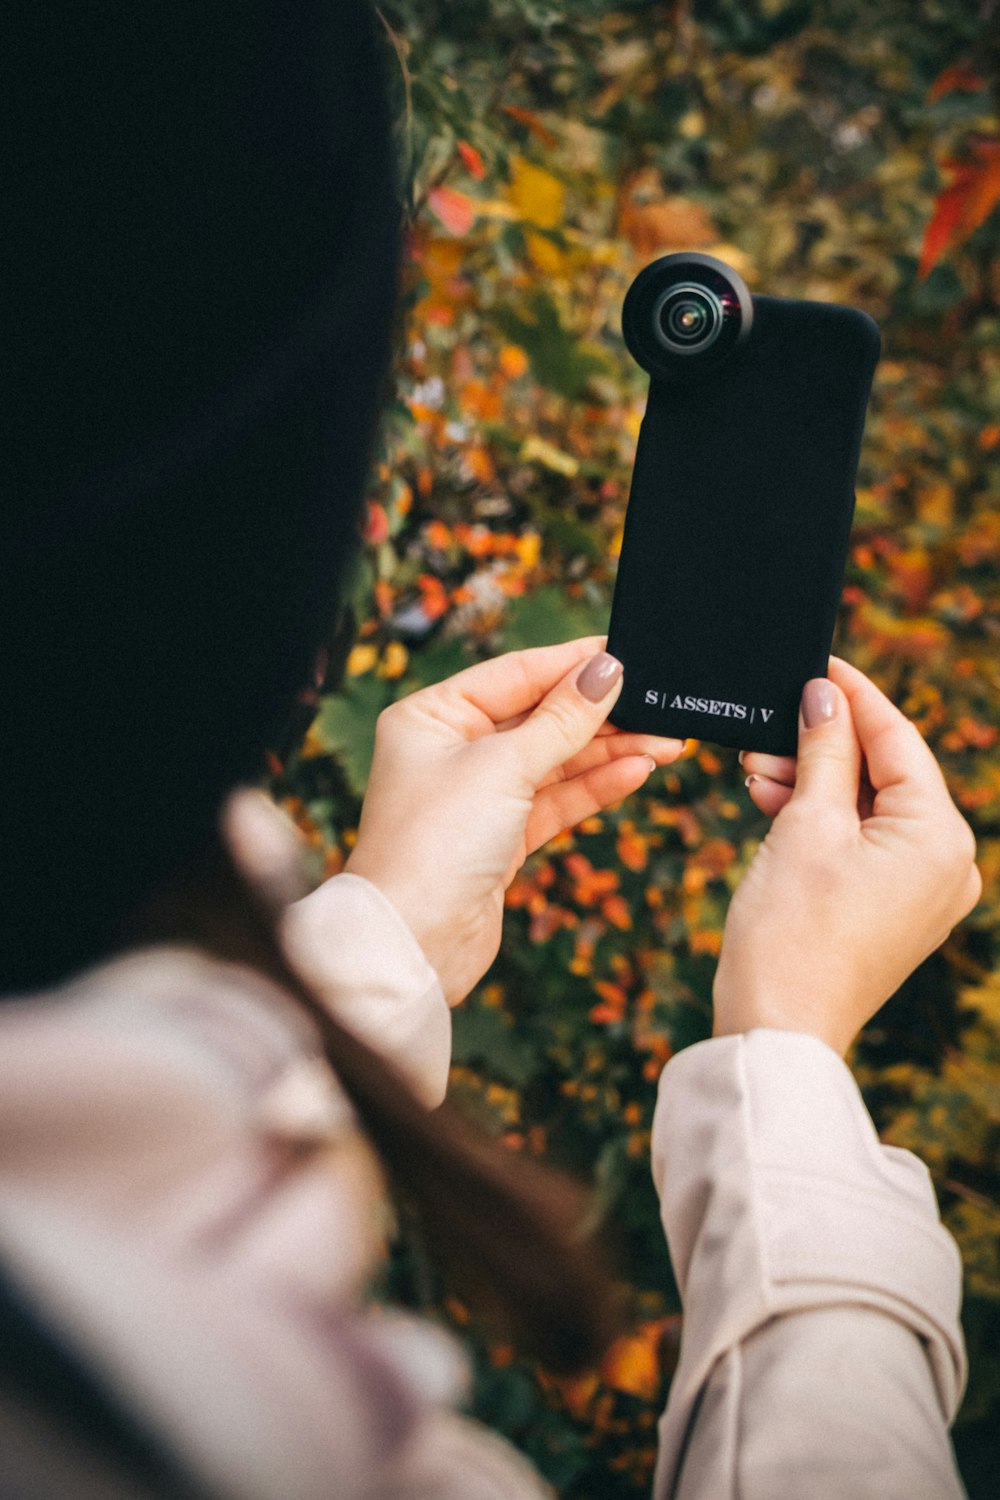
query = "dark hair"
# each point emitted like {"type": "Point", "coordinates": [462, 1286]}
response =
{"type": "Point", "coordinates": [201, 247]}
{"type": "Point", "coordinates": [204, 235]}
{"type": "Point", "coordinates": [506, 1232]}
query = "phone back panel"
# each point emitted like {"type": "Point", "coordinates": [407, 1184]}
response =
{"type": "Point", "coordinates": [737, 528]}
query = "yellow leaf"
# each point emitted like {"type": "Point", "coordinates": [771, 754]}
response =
{"type": "Point", "coordinates": [545, 255]}
{"type": "Point", "coordinates": [691, 125]}
{"type": "Point", "coordinates": [537, 195]}
{"type": "Point", "coordinates": [936, 503]}
{"type": "Point", "coordinates": [735, 257]}
{"type": "Point", "coordinates": [394, 661]}
{"type": "Point", "coordinates": [361, 660]}
{"type": "Point", "coordinates": [537, 450]}
{"type": "Point", "coordinates": [496, 208]}
{"type": "Point", "coordinates": [986, 996]}
{"type": "Point", "coordinates": [529, 548]}
{"type": "Point", "coordinates": [976, 1227]}
{"type": "Point", "coordinates": [312, 745]}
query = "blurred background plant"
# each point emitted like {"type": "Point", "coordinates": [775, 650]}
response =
{"type": "Point", "coordinates": [550, 148]}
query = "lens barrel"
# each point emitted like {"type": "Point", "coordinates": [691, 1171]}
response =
{"type": "Point", "coordinates": [684, 315]}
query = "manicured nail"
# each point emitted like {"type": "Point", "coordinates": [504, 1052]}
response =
{"type": "Point", "coordinates": [651, 763]}
{"type": "Point", "coordinates": [819, 702]}
{"type": "Point", "coordinates": [750, 780]}
{"type": "Point", "coordinates": [599, 676]}
{"type": "Point", "coordinates": [740, 756]}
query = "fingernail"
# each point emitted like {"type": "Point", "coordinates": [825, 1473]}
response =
{"type": "Point", "coordinates": [599, 676]}
{"type": "Point", "coordinates": [819, 702]}
{"type": "Point", "coordinates": [740, 756]}
{"type": "Point", "coordinates": [651, 763]}
{"type": "Point", "coordinates": [751, 779]}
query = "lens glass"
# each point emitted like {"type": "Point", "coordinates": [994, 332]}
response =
{"type": "Point", "coordinates": [690, 318]}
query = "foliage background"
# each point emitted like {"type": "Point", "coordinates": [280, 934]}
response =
{"type": "Point", "coordinates": [550, 148]}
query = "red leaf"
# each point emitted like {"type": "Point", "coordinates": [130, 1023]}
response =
{"type": "Point", "coordinates": [966, 203]}
{"type": "Point", "coordinates": [454, 210]}
{"type": "Point", "coordinates": [377, 523]}
{"type": "Point", "coordinates": [534, 124]}
{"type": "Point", "coordinates": [960, 76]}
{"type": "Point", "coordinates": [471, 160]}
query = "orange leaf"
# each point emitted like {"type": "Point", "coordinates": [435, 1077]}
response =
{"type": "Point", "coordinates": [615, 908]}
{"type": "Point", "coordinates": [713, 858]}
{"type": "Point", "coordinates": [384, 596]}
{"type": "Point", "coordinates": [654, 222]}
{"type": "Point", "coordinates": [454, 210]}
{"type": "Point", "coordinates": [960, 76]}
{"type": "Point", "coordinates": [637, 1362]}
{"type": "Point", "coordinates": [533, 123]}
{"type": "Point", "coordinates": [633, 849]}
{"type": "Point", "coordinates": [966, 203]}
{"type": "Point", "coordinates": [513, 361]}
{"type": "Point", "coordinates": [604, 1015]}
{"type": "Point", "coordinates": [912, 575]}
{"type": "Point", "coordinates": [613, 994]}
{"type": "Point", "coordinates": [438, 535]}
{"type": "Point", "coordinates": [471, 160]}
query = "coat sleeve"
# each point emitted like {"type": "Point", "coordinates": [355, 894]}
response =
{"type": "Point", "coordinates": [349, 942]}
{"type": "Point", "coordinates": [822, 1353]}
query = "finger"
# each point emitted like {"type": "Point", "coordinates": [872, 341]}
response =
{"type": "Point", "coordinates": [564, 722]}
{"type": "Point", "coordinates": [767, 795]}
{"type": "Point", "coordinates": [774, 767]}
{"type": "Point", "coordinates": [901, 768]}
{"type": "Point", "coordinates": [566, 803]}
{"type": "Point", "coordinates": [828, 765]}
{"type": "Point", "coordinates": [603, 749]}
{"type": "Point", "coordinates": [512, 685]}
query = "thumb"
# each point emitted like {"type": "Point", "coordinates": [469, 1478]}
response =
{"type": "Point", "coordinates": [829, 753]}
{"type": "Point", "coordinates": [566, 719]}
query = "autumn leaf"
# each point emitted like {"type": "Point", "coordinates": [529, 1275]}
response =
{"type": "Point", "coordinates": [960, 76]}
{"type": "Point", "coordinates": [616, 909]}
{"type": "Point", "coordinates": [614, 1001]}
{"type": "Point", "coordinates": [632, 847]}
{"type": "Point", "coordinates": [513, 361]}
{"type": "Point", "coordinates": [966, 203]}
{"type": "Point", "coordinates": [656, 223]}
{"type": "Point", "coordinates": [537, 195]}
{"type": "Point", "coordinates": [636, 1363]}
{"type": "Point", "coordinates": [377, 524]}
{"type": "Point", "coordinates": [471, 160]}
{"type": "Point", "coordinates": [394, 660]}
{"type": "Point", "coordinates": [531, 122]}
{"type": "Point", "coordinates": [504, 465]}
{"type": "Point", "coordinates": [454, 210]}
{"type": "Point", "coordinates": [361, 660]}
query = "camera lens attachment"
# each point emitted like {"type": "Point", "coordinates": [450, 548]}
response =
{"type": "Point", "coordinates": [684, 315]}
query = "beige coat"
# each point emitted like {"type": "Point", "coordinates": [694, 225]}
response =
{"type": "Point", "coordinates": [157, 1204]}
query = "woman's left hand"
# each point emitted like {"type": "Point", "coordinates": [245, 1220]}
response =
{"type": "Point", "coordinates": [470, 776]}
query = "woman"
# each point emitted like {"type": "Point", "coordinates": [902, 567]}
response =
{"type": "Point", "coordinates": [197, 1055]}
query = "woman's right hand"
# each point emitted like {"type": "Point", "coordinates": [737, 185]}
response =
{"type": "Point", "coordinates": [865, 871]}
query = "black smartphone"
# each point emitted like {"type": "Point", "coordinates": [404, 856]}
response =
{"type": "Point", "coordinates": [742, 498]}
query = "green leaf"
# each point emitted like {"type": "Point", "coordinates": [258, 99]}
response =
{"type": "Point", "coordinates": [558, 359]}
{"type": "Point", "coordinates": [440, 658]}
{"type": "Point", "coordinates": [485, 1035]}
{"type": "Point", "coordinates": [547, 617]}
{"type": "Point", "coordinates": [345, 725]}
